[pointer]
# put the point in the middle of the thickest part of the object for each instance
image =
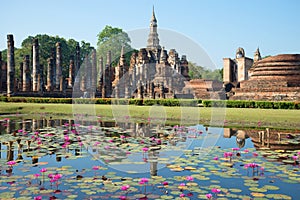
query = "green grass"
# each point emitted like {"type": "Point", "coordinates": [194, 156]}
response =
{"type": "Point", "coordinates": [233, 117]}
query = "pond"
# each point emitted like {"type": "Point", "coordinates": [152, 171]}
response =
{"type": "Point", "coordinates": [63, 159]}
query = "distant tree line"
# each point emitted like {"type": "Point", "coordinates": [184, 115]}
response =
{"type": "Point", "coordinates": [199, 72]}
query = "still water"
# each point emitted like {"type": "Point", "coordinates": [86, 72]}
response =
{"type": "Point", "coordinates": [105, 160]}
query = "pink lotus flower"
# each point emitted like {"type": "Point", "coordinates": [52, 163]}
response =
{"type": "Point", "coordinates": [125, 187]}
{"type": "Point", "coordinates": [38, 198]}
{"type": "Point", "coordinates": [20, 131]}
{"type": "Point", "coordinates": [57, 176]}
{"type": "Point", "coordinates": [216, 158]}
{"type": "Point", "coordinates": [66, 137]}
{"type": "Point", "coordinates": [143, 181]}
{"type": "Point", "coordinates": [182, 184]}
{"type": "Point", "coordinates": [182, 195]}
{"type": "Point", "coordinates": [227, 154]}
{"type": "Point", "coordinates": [36, 175]}
{"type": "Point", "coordinates": [255, 154]}
{"type": "Point", "coordinates": [145, 149]}
{"type": "Point", "coordinates": [96, 168]}
{"type": "Point", "coordinates": [11, 163]}
{"type": "Point", "coordinates": [295, 157]}
{"type": "Point", "coordinates": [122, 136]}
{"type": "Point", "coordinates": [298, 153]}
{"type": "Point", "coordinates": [165, 183]}
{"type": "Point", "coordinates": [215, 190]}
{"type": "Point", "coordinates": [246, 151]}
{"type": "Point", "coordinates": [251, 165]}
{"type": "Point", "coordinates": [158, 141]}
{"type": "Point", "coordinates": [189, 178]}
{"type": "Point", "coordinates": [235, 149]}
{"type": "Point", "coordinates": [122, 197]}
{"type": "Point", "coordinates": [50, 175]}
{"type": "Point", "coordinates": [208, 196]}
{"type": "Point", "coordinates": [43, 170]}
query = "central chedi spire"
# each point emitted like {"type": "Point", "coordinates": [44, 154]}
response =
{"type": "Point", "coordinates": [153, 41]}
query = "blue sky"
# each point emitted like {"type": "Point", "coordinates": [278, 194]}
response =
{"type": "Point", "coordinates": [219, 27]}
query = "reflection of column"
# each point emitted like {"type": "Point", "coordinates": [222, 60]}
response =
{"type": "Point", "coordinates": [34, 124]}
{"type": "Point", "coordinates": [10, 152]}
{"type": "Point", "coordinates": [35, 159]}
{"type": "Point", "coordinates": [227, 133]}
{"type": "Point", "coordinates": [153, 156]}
{"type": "Point", "coordinates": [8, 126]}
{"type": "Point", "coordinates": [58, 158]}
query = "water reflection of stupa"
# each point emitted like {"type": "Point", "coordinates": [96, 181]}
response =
{"type": "Point", "coordinates": [266, 139]}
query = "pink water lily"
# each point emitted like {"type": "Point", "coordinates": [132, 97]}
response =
{"type": "Point", "coordinates": [95, 167]}
{"type": "Point", "coordinates": [165, 183]}
{"type": "Point", "coordinates": [36, 175]}
{"type": "Point", "coordinates": [37, 198]}
{"type": "Point", "coordinates": [182, 195]}
{"type": "Point", "coordinates": [125, 187]}
{"type": "Point", "coordinates": [216, 158]}
{"type": "Point", "coordinates": [11, 163]}
{"type": "Point", "coordinates": [295, 157]}
{"type": "Point", "coordinates": [227, 154]}
{"type": "Point", "coordinates": [235, 149]}
{"type": "Point", "coordinates": [208, 196]}
{"type": "Point", "coordinates": [122, 197]}
{"type": "Point", "coordinates": [43, 170]}
{"type": "Point", "coordinates": [122, 136]}
{"type": "Point", "coordinates": [189, 178]}
{"type": "Point", "coordinates": [215, 190]}
{"type": "Point", "coordinates": [255, 154]}
{"type": "Point", "coordinates": [143, 181]}
{"type": "Point", "coordinates": [145, 149]}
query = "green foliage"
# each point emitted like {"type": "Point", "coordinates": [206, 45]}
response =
{"type": "Point", "coordinates": [112, 39]}
{"type": "Point", "coordinates": [252, 104]}
{"type": "Point", "coordinates": [199, 72]}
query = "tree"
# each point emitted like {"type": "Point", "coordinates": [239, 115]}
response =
{"type": "Point", "coordinates": [112, 39]}
{"type": "Point", "coordinates": [198, 72]}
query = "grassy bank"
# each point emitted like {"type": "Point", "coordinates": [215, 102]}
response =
{"type": "Point", "coordinates": [235, 117]}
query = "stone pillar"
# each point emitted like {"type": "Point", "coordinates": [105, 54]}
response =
{"type": "Point", "coordinates": [35, 64]}
{"type": "Point", "coordinates": [10, 65]}
{"type": "Point", "coordinates": [53, 56]}
{"type": "Point", "coordinates": [41, 79]}
{"type": "Point", "coordinates": [77, 59]}
{"type": "Point", "coordinates": [58, 65]}
{"type": "Point", "coordinates": [71, 72]}
{"type": "Point", "coordinates": [140, 90]}
{"type": "Point", "coordinates": [20, 85]}
{"type": "Point", "coordinates": [101, 74]}
{"type": "Point", "coordinates": [50, 77]}
{"type": "Point", "coordinates": [108, 76]}
{"type": "Point", "coordinates": [26, 74]}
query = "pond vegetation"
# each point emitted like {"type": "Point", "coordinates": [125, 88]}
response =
{"type": "Point", "coordinates": [64, 159]}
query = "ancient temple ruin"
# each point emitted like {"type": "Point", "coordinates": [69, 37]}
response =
{"type": "Point", "coordinates": [153, 72]}
{"type": "Point", "coordinates": [272, 78]}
